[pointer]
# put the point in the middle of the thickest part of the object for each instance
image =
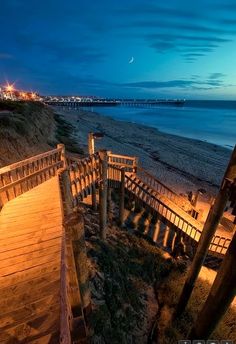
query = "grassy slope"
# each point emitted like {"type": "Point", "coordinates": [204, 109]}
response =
{"type": "Point", "coordinates": [29, 128]}
{"type": "Point", "coordinates": [179, 329]}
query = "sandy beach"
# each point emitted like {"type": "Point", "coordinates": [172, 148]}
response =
{"type": "Point", "coordinates": [181, 163]}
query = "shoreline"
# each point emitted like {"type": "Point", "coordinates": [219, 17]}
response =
{"type": "Point", "coordinates": [226, 146]}
{"type": "Point", "coordinates": [181, 163]}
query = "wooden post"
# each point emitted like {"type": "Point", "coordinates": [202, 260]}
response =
{"type": "Point", "coordinates": [210, 226]}
{"type": "Point", "coordinates": [94, 197]}
{"type": "Point", "coordinates": [156, 230]}
{"type": "Point", "coordinates": [122, 198]}
{"type": "Point", "coordinates": [108, 188]}
{"type": "Point", "coordinates": [80, 253]}
{"type": "Point", "coordinates": [91, 148]}
{"type": "Point", "coordinates": [220, 297]}
{"type": "Point", "coordinates": [94, 194]}
{"type": "Point", "coordinates": [109, 200]}
{"type": "Point", "coordinates": [74, 225]}
{"type": "Point", "coordinates": [166, 236]}
{"type": "Point", "coordinates": [135, 166]}
{"type": "Point", "coordinates": [103, 193]}
{"type": "Point", "coordinates": [63, 154]}
{"type": "Point", "coordinates": [91, 151]}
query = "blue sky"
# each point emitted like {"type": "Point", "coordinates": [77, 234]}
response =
{"type": "Point", "coordinates": [180, 48]}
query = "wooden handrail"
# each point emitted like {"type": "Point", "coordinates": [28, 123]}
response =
{"type": "Point", "coordinates": [72, 326]}
{"type": "Point", "coordinates": [28, 160]}
{"type": "Point", "coordinates": [30, 176]}
{"type": "Point", "coordinates": [159, 201]}
{"type": "Point", "coordinates": [163, 189]}
{"type": "Point", "coordinates": [85, 174]}
{"type": "Point", "coordinates": [187, 226]}
{"type": "Point", "coordinates": [122, 156]}
{"type": "Point", "coordinates": [81, 182]}
{"type": "Point", "coordinates": [21, 176]}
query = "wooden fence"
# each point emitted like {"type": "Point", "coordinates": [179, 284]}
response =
{"type": "Point", "coordinates": [85, 176]}
{"type": "Point", "coordinates": [127, 162]}
{"type": "Point", "coordinates": [22, 176]}
{"type": "Point", "coordinates": [175, 220]}
{"type": "Point", "coordinates": [162, 189]}
{"type": "Point", "coordinates": [85, 173]}
{"type": "Point", "coordinates": [72, 324]}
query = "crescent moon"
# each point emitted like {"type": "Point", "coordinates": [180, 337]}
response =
{"type": "Point", "coordinates": [131, 60]}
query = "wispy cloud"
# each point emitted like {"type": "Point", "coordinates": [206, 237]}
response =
{"type": "Point", "coordinates": [180, 83]}
{"type": "Point", "coordinates": [172, 28]}
{"type": "Point", "coordinates": [217, 75]}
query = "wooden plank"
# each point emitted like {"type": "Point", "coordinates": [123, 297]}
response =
{"type": "Point", "coordinates": [7, 271]}
{"type": "Point", "coordinates": [26, 243]}
{"type": "Point", "coordinates": [30, 252]}
{"type": "Point", "coordinates": [29, 218]}
{"type": "Point", "coordinates": [31, 210]}
{"type": "Point", "coordinates": [35, 328]}
{"type": "Point", "coordinates": [13, 302]}
{"type": "Point", "coordinates": [36, 220]}
{"type": "Point", "coordinates": [30, 274]}
{"type": "Point", "coordinates": [32, 284]}
{"type": "Point", "coordinates": [50, 338]}
{"type": "Point", "coordinates": [29, 312]}
{"type": "Point", "coordinates": [13, 231]}
{"type": "Point", "coordinates": [30, 265]}
{"type": "Point", "coordinates": [28, 232]}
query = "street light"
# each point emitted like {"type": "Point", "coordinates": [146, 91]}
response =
{"type": "Point", "coordinates": [9, 88]}
{"type": "Point", "coordinates": [91, 137]}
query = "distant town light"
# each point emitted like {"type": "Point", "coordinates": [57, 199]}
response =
{"type": "Point", "coordinates": [9, 88]}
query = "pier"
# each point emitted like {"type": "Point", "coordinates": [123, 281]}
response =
{"type": "Point", "coordinates": [73, 102]}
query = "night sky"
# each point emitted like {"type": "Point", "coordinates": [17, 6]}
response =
{"type": "Point", "coordinates": [180, 48]}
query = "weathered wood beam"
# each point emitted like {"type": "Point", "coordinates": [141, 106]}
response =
{"type": "Point", "coordinates": [122, 197]}
{"type": "Point", "coordinates": [91, 148]}
{"type": "Point", "coordinates": [220, 297]}
{"type": "Point", "coordinates": [103, 185]}
{"type": "Point", "coordinates": [61, 147]}
{"type": "Point", "coordinates": [76, 259]}
{"type": "Point", "coordinates": [211, 224]}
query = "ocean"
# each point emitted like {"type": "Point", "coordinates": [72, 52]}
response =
{"type": "Point", "coordinates": [211, 121]}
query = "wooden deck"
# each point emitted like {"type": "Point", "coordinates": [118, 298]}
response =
{"type": "Point", "coordinates": [30, 261]}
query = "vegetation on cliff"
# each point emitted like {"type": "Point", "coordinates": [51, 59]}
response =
{"type": "Point", "coordinates": [29, 128]}
{"type": "Point", "coordinates": [135, 287]}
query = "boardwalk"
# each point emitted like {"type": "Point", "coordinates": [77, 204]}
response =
{"type": "Point", "coordinates": [30, 255]}
{"type": "Point", "coordinates": [41, 299]}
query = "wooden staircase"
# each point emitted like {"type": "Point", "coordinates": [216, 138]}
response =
{"type": "Point", "coordinates": [40, 296]}
{"type": "Point", "coordinates": [30, 256]}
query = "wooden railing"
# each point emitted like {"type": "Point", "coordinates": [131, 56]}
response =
{"type": "Point", "coordinates": [22, 176]}
{"type": "Point", "coordinates": [161, 188]}
{"type": "Point", "coordinates": [173, 209]}
{"type": "Point", "coordinates": [84, 174]}
{"type": "Point", "coordinates": [127, 162]}
{"type": "Point", "coordinates": [185, 223]}
{"type": "Point", "coordinates": [72, 324]}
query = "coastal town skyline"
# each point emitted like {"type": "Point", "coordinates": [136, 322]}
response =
{"type": "Point", "coordinates": [139, 49]}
